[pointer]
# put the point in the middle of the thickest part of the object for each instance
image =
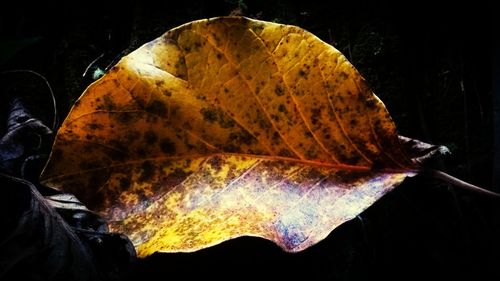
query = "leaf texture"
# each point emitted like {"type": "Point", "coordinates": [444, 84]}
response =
{"type": "Point", "coordinates": [228, 127]}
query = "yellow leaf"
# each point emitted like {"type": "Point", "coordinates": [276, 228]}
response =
{"type": "Point", "coordinates": [228, 127]}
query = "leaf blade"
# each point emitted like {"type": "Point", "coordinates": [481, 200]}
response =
{"type": "Point", "coordinates": [240, 92]}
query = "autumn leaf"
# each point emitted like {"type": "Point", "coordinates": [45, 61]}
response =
{"type": "Point", "coordinates": [228, 127]}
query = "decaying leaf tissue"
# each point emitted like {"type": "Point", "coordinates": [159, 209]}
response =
{"type": "Point", "coordinates": [228, 127]}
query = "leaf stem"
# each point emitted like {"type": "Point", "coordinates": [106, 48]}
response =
{"type": "Point", "coordinates": [460, 183]}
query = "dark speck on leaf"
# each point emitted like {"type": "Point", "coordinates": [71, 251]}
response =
{"type": "Point", "coordinates": [124, 117]}
{"type": "Point", "coordinates": [231, 148]}
{"type": "Point", "coordinates": [148, 170]}
{"type": "Point", "coordinates": [124, 183]}
{"type": "Point", "coordinates": [285, 153]}
{"type": "Point", "coordinates": [95, 126]}
{"type": "Point", "coordinates": [216, 162]}
{"type": "Point", "coordinates": [150, 137]}
{"type": "Point", "coordinates": [217, 115]}
{"type": "Point", "coordinates": [158, 108]}
{"type": "Point", "coordinates": [209, 115]}
{"type": "Point", "coordinates": [343, 75]}
{"type": "Point", "coordinates": [167, 146]}
{"type": "Point", "coordinates": [279, 91]}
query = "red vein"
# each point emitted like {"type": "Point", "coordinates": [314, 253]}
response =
{"type": "Point", "coordinates": [334, 166]}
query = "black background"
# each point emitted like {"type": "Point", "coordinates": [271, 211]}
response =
{"type": "Point", "coordinates": [416, 56]}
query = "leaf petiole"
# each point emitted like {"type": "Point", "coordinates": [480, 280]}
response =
{"type": "Point", "coordinates": [460, 183]}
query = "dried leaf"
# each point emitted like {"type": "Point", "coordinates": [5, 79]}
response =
{"type": "Point", "coordinates": [228, 127]}
{"type": "Point", "coordinates": [55, 237]}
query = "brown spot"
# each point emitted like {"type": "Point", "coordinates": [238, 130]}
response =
{"type": "Point", "coordinates": [285, 153]}
{"type": "Point", "coordinates": [150, 137]}
{"type": "Point", "coordinates": [216, 162]}
{"type": "Point", "coordinates": [343, 75]}
{"type": "Point", "coordinates": [167, 146]}
{"type": "Point", "coordinates": [279, 91]}
{"type": "Point", "coordinates": [225, 121]}
{"type": "Point", "coordinates": [116, 154]}
{"type": "Point", "coordinates": [124, 117]}
{"type": "Point", "coordinates": [95, 126]}
{"type": "Point", "coordinates": [141, 151]}
{"type": "Point", "coordinates": [209, 115]}
{"type": "Point", "coordinates": [219, 56]}
{"type": "Point", "coordinates": [315, 115]}
{"type": "Point", "coordinates": [370, 103]}
{"type": "Point", "coordinates": [132, 135]}
{"type": "Point", "coordinates": [158, 108]}
{"type": "Point", "coordinates": [187, 126]}
{"type": "Point", "coordinates": [217, 115]}
{"type": "Point", "coordinates": [281, 108]}
{"type": "Point", "coordinates": [167, 93]}
{"type": "Point", "coordinates": [311, 153]}
{"type": "Point", "coordinates": [242, 137]}
{"type": "Point", "coordinates": [231, 148]}
{"type": "Point", "coordinates": [124, 183]}
{"type": "Point", "coordinates": [147, 171]}
{"type": "Point", "coordinates": [302, 73]}
{"type": "Point", "coordinates": [276, 137]}
{"type": "Point", "coordinates": [226, 90]}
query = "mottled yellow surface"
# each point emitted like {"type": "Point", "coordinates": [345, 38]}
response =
{"type": "Point", "coordinates": [228, 127]}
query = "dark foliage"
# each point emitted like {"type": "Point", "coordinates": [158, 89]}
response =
{"type": "Point", "coordinates": [430, 64]}
{"type": "Point", "coordinates": [52, 238]}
